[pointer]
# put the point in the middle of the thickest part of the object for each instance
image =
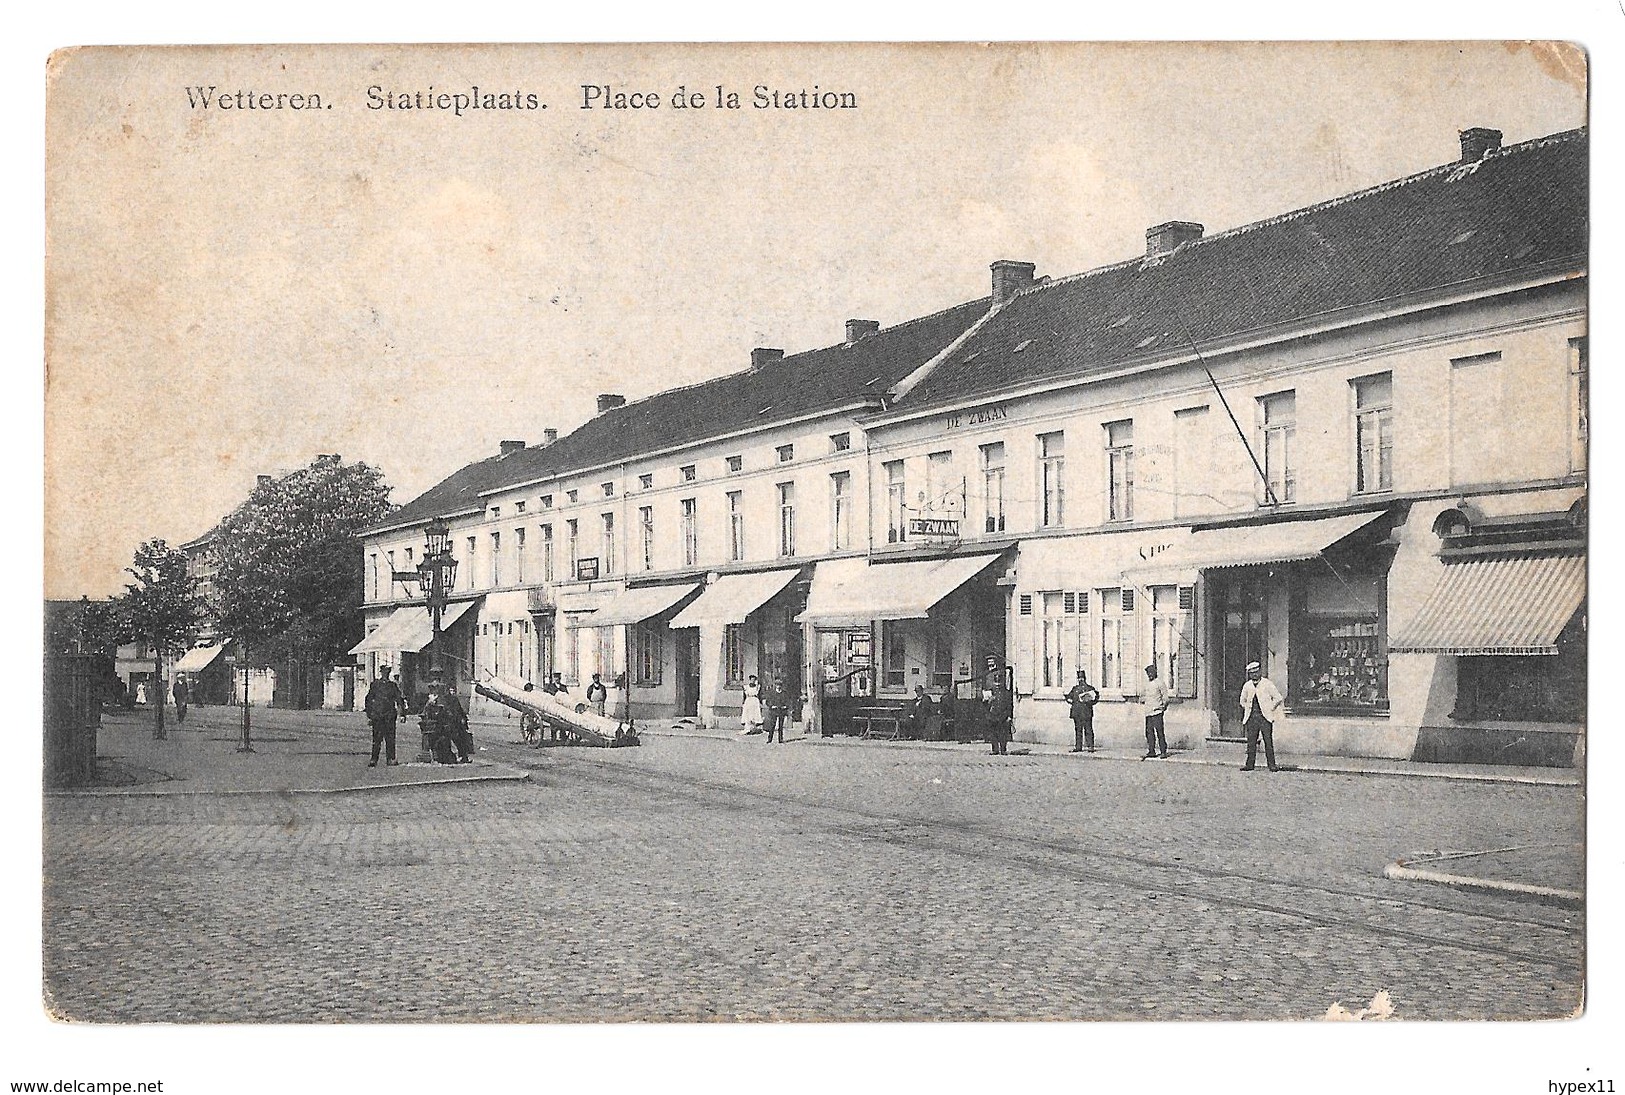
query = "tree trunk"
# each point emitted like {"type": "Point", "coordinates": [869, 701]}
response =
{"type": "Point", "coordinates": [158, 687]}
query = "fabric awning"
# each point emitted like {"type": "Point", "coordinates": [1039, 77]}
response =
{"type": "Point", "coordinates": [1251, 545]}
{"type": "Point", "coordinates": [410, 629]}
{"type": "Point", "coordinates": [732, 597]}
{"type": "Point", "coordinates": [199, 658]}
{"type": "Point", "coordinates": [851, 592]}
{"type": "Point", "coordinates": [1510, 604]}
{"type": "Point", "coordinates": [633, 606]}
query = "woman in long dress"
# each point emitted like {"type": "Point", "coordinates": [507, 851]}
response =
{"type": "Point", "coordinates": [752, 715]}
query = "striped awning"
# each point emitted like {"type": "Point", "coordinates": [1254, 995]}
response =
{"type": "Point", "coordinates": [1509, 604]}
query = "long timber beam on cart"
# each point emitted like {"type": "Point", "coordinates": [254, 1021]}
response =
{"type": "Point", "coordinates": [590, 728]}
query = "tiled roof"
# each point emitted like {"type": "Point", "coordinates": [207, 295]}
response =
{"type": "Point", "coordinates": [1520, 208]}
{"type": "Point", "coordinates": [790, 387]}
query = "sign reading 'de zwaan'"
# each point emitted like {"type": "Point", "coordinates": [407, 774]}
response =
{"type": "Point", "coordinates": [977, 417]}
{"type": "Point", "coordinates": [933, 526]}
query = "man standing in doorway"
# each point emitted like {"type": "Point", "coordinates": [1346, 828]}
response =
{"type": "Point", "coordinates": [1261, 708]}
{"type": "Point", "coordinates": [1082, 699]}
{"type": "Point", "coordinates": [382, 704]}
{"type": "Point", "coordinates": [1156, 704]}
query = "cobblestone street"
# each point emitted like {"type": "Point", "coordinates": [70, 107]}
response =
{"type": "Point", "coordinates": [717, 879]}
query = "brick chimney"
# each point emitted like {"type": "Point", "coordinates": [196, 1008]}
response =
{"type": "Point", "coordinates": [1009, 278]}
{"type": "Point", "coordinates": [861, 328]}
{"type": "Point", "coordinates": [508, 448]}
{"type": "Point", "coordinates": [1478, 142]}
{"type": "Point", "coordinates": [1163, 238]}
{"type": "Point", "coordinates": [608, 402]}
{"type": "Point", "coordinates": [762, 355]}
{"type": "Point", "coordinates": [261, 481]}
{"type": "Point", "coordinates": [549, 435]}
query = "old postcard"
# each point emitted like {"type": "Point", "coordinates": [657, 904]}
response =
{"type": "Point", "coordinates": [830, 532]}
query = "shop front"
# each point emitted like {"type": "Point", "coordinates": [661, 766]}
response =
{"type": "Point", "coordinates": [1502, 637]}
{"type": "Point", "coordinates": [207, 674]}
{"type": "Point", "coordinates": [879, 631]}
{"type": "Point", "coordinates": [625, 637]}
{"type": "Point", "coordinates": [1307, 600]}
{"type": "Point", "coordinates": [402, 640]}
{"type": "Point", "coordinates": [741, 626]}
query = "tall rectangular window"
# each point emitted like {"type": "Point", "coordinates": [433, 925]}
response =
{"type": "Point", "coordinates": [609, 544]}
{"type": "Point", "coordinates": [942, 658]}
{"type": "Point", "coordinates": [840, 511]}
{"type": "Point", "coordinates": [1278, 418]}
{"type": "Point", "coordinates": [1579, 403]}
{"type": "Point", "coordinates": [896, 503]}
{"type": "Point", "coordinates": [992, 457]}
{"type": "Point", "coordinates": [1055, 643]}
{"type": "Point", "coordinates": [391, 558]}
{"type": "Point", "coordinates": [572, 654]}
{"type": "Point", "coordinates": [733, 655]}
{"type": "Point", "coordinates": [1109, 627]}
{"type": "Point", "coordinates": [496, 558]}
{"type": "Point", "coordinates": [894, 651]}
{"type": "Point", "coordinates": [518, 556]}
{"type": "Point", "coordinates": [572, 532]}
{"type": "Point", "coordinates": [1374, 433]}
{"type": "Point", "coordinates": [1051, 479]}
{"type": "Point", "coordinates": [691, 532]}
{"type": "Point", "coordinates": [736, 525]}
{"type": "Point", "coordinates": [372, 576]}
{"type": "Point", "coordinates": [787, 519]}
{"type": "Point", "coordinates": [840, 442]}
{"type": "Point", "coordinates": [648, 653]}
{"type": "Point", "coordinates": [1120, 470]}
{"type": "Point", "coordinates": [646, 534]}
{"type": "Point", "coordinates": [939, 491]}
{"type": "Point", "coordinates": [473, 560]}
{"type": "Point", "coordinates": [547, 553]}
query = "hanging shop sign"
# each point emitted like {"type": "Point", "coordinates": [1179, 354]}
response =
{"type": "Point", "coordinates": [933, 526]}
{"type": "Point", "coordinates": [587, 569]}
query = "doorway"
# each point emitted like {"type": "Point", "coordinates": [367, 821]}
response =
{"type": "Point", "coordinates": [1240, 636]}
{"type": "Point", "coordinates": [686, 651]}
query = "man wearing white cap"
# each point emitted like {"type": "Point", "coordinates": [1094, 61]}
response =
{"type": "Point", "coordinates": [1261, 707]}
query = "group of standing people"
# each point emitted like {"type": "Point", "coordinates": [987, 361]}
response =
{"type": "Point", "coordinates": [767, 708]}
{"type": "Point", "coordinates": [443, 720]}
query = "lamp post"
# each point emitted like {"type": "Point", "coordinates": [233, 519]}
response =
{"type": "Point", "coordinates": [436, 573]}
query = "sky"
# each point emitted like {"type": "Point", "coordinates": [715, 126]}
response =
{"type": "Point", "coordinates": [233, 292]}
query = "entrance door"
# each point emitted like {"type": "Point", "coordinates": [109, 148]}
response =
{"type": "Point", "coordinates": [686, 651]}
{"type": "Point", "coordinates": [1240, 637]}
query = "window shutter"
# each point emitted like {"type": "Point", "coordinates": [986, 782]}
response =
{"type": "Point", "coordinates": [1083, 601]}
{"type": "Point", "coordinates": [1025, 652]}
{"type": "Point", "coordinates": [1069, 603]}
{"type": "Point", "coordinates": [1026, 604]}
{"type": "Point", "coordinates": [1128, 600]}
{"type": "Point", "coordinates": [1133, 664]}
{"type": "Point", "coordinates": [1185, 678]}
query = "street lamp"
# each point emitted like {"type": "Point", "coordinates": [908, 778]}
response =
{"type": "Point", "coordinates": [436, 575]}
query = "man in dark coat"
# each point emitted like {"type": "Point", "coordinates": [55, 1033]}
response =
{"type": "Point", "coordinates": [382, 705]}
{"type": "Point", "coordinates": [1000, 711]}
{"type": "Point", "coordinates": [777, 702]}
{"type": "Point", "coordinates": [446, 722]}
{"type": "Point", "coordinates": [1081, 700]}
{"type": "Point", "coordinates": [918, 713]}
{"type": "Point", "coordinates": [183, 696]}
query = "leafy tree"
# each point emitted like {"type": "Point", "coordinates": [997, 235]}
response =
{"type": "Point", "coordinates": [162, 607]}
{"type": "Point", "coordinates": [288, 575]}
{"type": "Point", "coordinates": [87, 627]}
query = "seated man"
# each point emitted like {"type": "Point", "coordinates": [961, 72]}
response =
{"type": "Point", "coordinates": [919, 709]}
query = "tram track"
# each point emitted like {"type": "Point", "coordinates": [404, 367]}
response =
{"type": "Point", "coordinates": [1072, 861]}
